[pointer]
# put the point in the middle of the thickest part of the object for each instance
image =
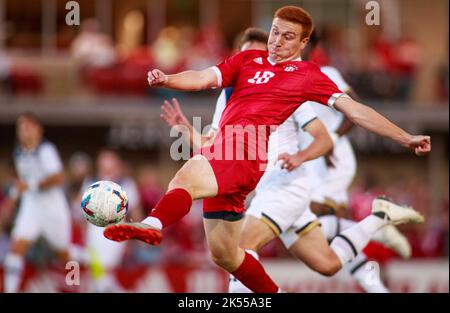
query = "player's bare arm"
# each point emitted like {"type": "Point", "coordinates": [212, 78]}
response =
{"type": "Point", "coordinates": [52, 181]}
{"type": "Point", "coordinates": [371, 120]}
{"type": "Point", "coordinates": [174, 117]}
{"type": "Point", "coordinates": [186, 81]}
{"type": "Point", "coordinates": [346, 124]}
{"type": "Point", "coordinates": [322, 144]}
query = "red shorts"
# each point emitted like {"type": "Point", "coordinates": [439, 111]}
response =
{"type": "Point", "coordinates": [236, 177]}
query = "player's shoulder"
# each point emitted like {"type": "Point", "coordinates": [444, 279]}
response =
{"type": "Point", "coordinates": [311, 66]}
{"type": "Point", "coordinates": [250, 55]}
{"type": "Point", "coordinates": [46, 145]}
{"type": "Point", "coordinates": [47, 148]}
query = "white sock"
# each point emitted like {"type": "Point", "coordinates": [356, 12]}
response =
{"type": "Point", "coordinates": [14, 265]}
{"type": "Point", "coordinates": [332, 225]}
{"type": "Point", "coordinates": [367, 274]}
{"type": "Point", "coordinates": [153, 221]}
{"type": "Point", "coordinates": [235, 286]}
{"type": "Point", "coordinates": [329, 225]}
{"type": "Point", "coordinates": [351, 241]}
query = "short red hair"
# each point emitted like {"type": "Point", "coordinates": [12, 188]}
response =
{"type": "Point", "coordinates": [296, 15]}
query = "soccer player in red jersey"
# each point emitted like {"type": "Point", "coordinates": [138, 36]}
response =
{"type": "Point", "coordinates": [268, 87]}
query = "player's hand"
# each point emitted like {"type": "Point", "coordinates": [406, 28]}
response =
{"type": "Point", "coordinates": [290, 161]}
{"type": "Point", "coordinates": [172, 114]}
{"type": "Point", "coordinates": [420, 144]}
{"type": "Point", "coordinates": [21, 186]}
{"type": "Point", "coordinates": [156, 78]}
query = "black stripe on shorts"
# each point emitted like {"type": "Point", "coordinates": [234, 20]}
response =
{"type": "Point", "coordinates": [224, 215]}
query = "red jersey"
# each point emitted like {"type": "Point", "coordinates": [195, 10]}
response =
{"type": "Point", "coordinates": [268, 93]}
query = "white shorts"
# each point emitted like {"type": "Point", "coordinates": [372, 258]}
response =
{"type": "Point", "coordinates": [281, 198]}
{"type": "Point", "coordinates": [302, 225]}
{"type": "Point", "coordinates": [334, 185]}
{"type": "Point", "coordinates": [109, 253]}
{"type": "Point", "coordinates": [46, 215]}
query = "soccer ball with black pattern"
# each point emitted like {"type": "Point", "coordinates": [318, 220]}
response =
{"type": "Point", "coordinates": [104, 203]}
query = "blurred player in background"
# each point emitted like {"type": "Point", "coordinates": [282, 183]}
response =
{"type": "Point", "coordinates": [103, 255]}
{"type": "Point", "coordinates": [269, 87]}
{"type": "Point", "coordinates": [43, 208]}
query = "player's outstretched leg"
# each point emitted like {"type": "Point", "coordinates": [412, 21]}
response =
{"type": "Point", "coordinates": [195, 180]}
{"type": "Point", "coordinates": [350, 242]}
{"type": "Point", "coordinates": [388, 235]}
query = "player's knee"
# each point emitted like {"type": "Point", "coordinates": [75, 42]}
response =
{"type": "Point", "coordinates": [329, 267]}
{"type": "Point", "coordinates": [181, 180]}
{"type": "Point", "coordinates": [224, 258]}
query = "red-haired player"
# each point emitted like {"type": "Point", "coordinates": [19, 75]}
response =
{"type": "Point", "coordinates": [268, 88]}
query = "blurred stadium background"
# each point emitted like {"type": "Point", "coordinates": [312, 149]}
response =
{"type": "Point", "coordinates": [90, 91]}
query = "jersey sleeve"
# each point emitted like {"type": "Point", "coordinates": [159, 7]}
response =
{"type": "Point", "coordinates": [336, 77]}
{"type": "Point", "coordinates": [321, 88]}
{"type": "Point", "coordinates": [304, 115]}
{"type": "Point", "coordinates": [50, 159]}
{"type": "Point", "coordinates": [228, 71]}
{"type": "Point", "coordinates": [220, 106]}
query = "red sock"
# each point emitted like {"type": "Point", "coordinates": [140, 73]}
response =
{"type": "Point", "coordinates": [173, 206]}
{"type": "Point", "coordinates": [254, 277]}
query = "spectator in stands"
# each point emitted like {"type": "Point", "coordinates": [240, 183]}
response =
{"type": "Point", "coordinates": [92, 48]}
{"type": "Point", "coordinates": [167, 51]}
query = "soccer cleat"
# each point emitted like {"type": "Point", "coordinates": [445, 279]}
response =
{"type": "Point", "coordinates": [394, 213]}
{"type": "Point", "coordinates": [139, 231]}
{"type": "Point", "coordinates": [395, 240]}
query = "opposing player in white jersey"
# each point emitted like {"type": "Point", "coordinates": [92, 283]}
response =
{"type": "Point", "coordinates": [337, 169]}
{"type": "Point", "coordinates": [103, 255]}
{"type": "Point", "coordinates": [43, 209]}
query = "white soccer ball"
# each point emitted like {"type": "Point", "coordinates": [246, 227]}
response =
{"type": "Point", "coordinates": [104, 203]}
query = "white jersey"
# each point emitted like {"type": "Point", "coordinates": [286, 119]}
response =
{"type": "Point", "coordinates": [327, 182]}
{"type": "Point", "coordinates": [329, 117]}
{"type": "Point", "coordinates": [220, 106]}
{"type": "Point", "coordinates": [35, 166]}
{"type": "Point", "coordinates": [285, 139]}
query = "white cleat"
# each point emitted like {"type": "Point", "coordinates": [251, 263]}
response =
{"type": "Point", "coordinates": [395, 240]}
{"type": "Point", "coordinates": [395, 213]}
